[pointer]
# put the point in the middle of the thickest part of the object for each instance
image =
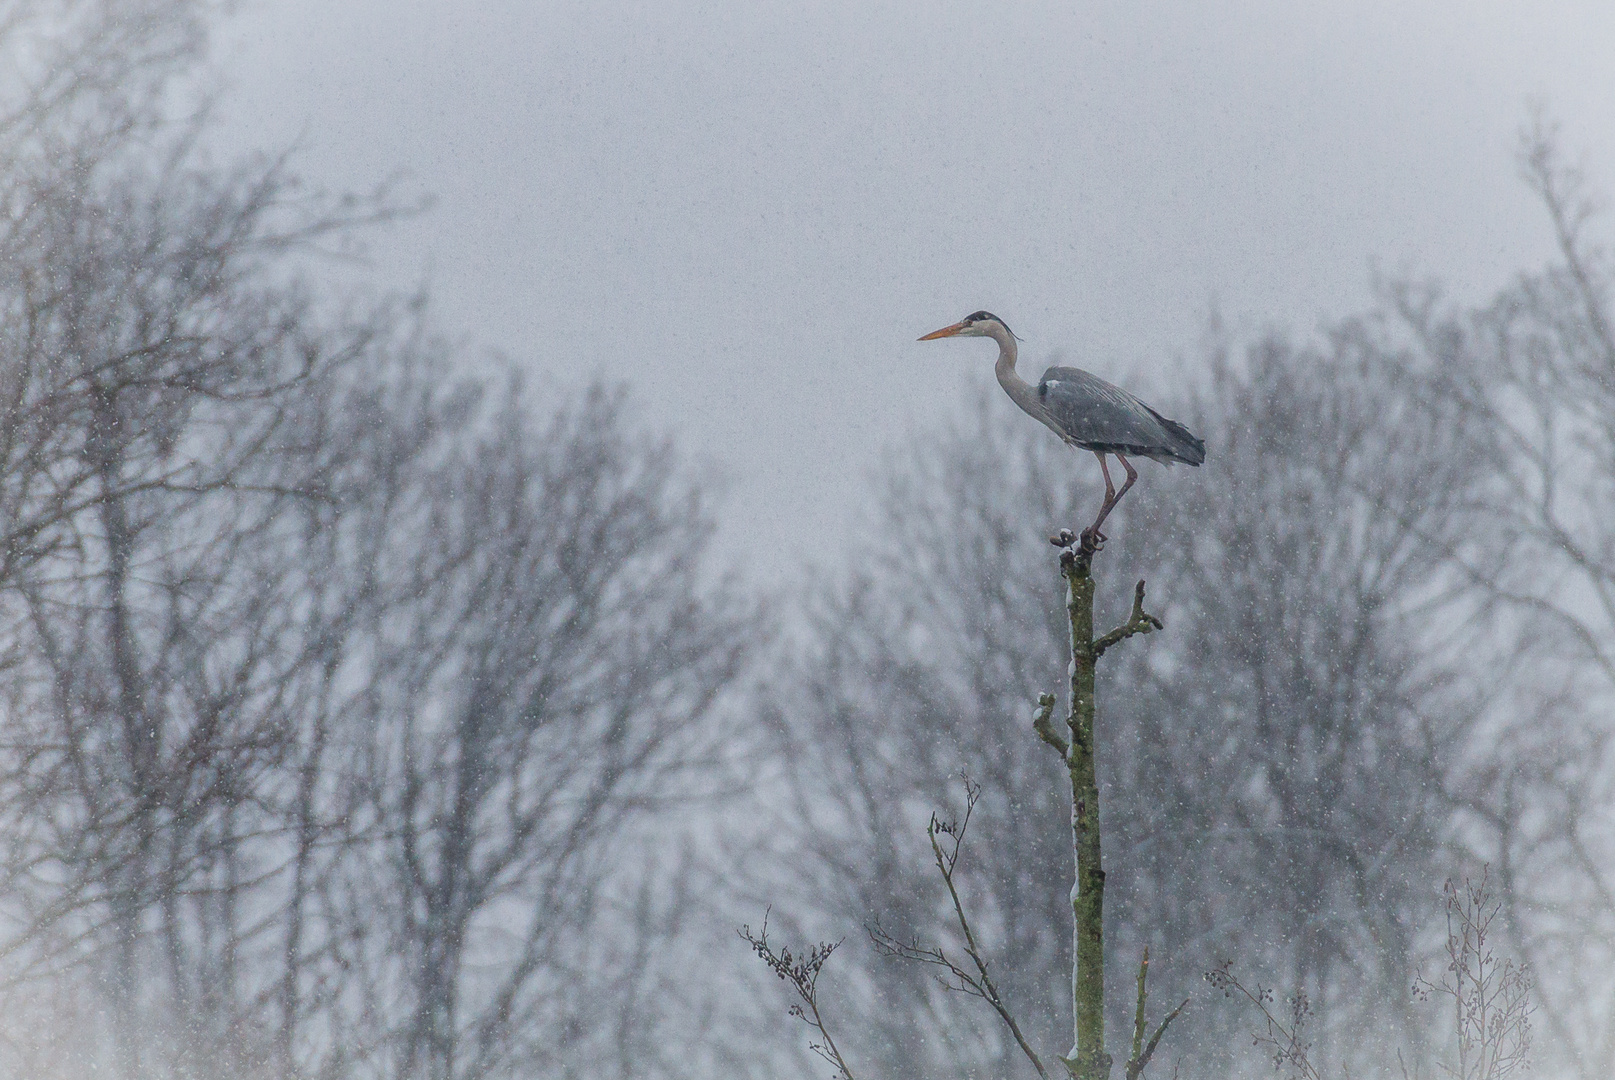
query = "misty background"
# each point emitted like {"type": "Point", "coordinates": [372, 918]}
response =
{"type": "Point", "coordinates": [476, 528]}
{"type": "Point", "coordinates": [750, 211]}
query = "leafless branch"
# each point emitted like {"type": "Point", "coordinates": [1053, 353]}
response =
{"type": "Point", "coordinates": [1144, 1051]}
{"type": "Point", "coordinates": [977, 982]}
{"type": "Point", "coordinates": [1139, 622]}
{"type": "Point", "coordinates": [1043, 725]}
{"type": "Point", "coordinates": [802, 973]}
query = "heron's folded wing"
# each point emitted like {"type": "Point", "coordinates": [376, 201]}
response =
{"type": "Point", "coordinates": [1091, 410]}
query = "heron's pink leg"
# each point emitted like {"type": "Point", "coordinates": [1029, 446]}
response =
{"type": "Point", "coordinates": [1110, 489]}
{"type": "Point", "coordinates": [1132, 474]}
{"type": "Point", "coordinates": [1112, 496]}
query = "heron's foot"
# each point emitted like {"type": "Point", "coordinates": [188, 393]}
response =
{"type": "Point", "coordinates": [1086, 543]}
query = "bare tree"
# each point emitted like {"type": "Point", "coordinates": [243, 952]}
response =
{"type": "Point", "coordinates": [319, 674]}
{"type": "Point", "coordinates": [545, 679]}
{"type": "Point", "coordinates": [1304, 732]}
{"type": "Point", "coordinates": [159, 381]}
{"type": "Point", "coordinates": [1529, 380]}
{"type": "Point", "coordinates": [1486, 999]}
{"type": "Point", "coordinates": [82, 72]}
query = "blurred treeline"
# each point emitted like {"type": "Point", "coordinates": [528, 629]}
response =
{"type": "Point", "coordinates": [366, 719]}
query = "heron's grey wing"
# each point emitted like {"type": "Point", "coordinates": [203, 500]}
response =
{"type": "Point", "coordinates": [1098, 415]}
{"type": "Point", "coordinates": [1093, 411]}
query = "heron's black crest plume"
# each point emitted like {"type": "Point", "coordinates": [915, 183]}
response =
{"type": "Point", "coordinates": [983, 316]}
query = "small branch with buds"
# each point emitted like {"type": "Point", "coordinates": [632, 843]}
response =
{"type": "Point", "coordinates": [1282, 1040]}
{"type": "Point", "coordinates": [802, 972]}
{"type": "Point", "coordinates": [1490, 996]}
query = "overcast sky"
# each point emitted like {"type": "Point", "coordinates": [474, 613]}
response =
{"type": "Point", "coordinates": [749, 211]}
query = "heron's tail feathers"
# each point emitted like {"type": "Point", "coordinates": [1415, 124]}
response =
{"type": "Point", "coordinates": [1186, 447]}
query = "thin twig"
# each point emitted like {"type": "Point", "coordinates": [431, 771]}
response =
{"type": "Point", "coordinates": [1138, 1013]}
{"type": "Point", "coordinates": [1155, 1040]}
{"type": "Point", "coordinates": [980, 983]}
{"type": "Point", "coordinates": [1142, 1051]}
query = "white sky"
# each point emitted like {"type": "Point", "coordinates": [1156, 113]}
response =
{"type": "Point", "coordinates": [749, 211]}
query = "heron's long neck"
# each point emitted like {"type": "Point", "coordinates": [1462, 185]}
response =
{"type": "Point", "coordinates": [1020, 391]}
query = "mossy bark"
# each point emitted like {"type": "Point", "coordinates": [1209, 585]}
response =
{"type": "Point", "coordinates": [1076, 747]}
{"type": "Point", "coordinates": [1088, 1059]}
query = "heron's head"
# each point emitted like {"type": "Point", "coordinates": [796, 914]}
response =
{"type": "Point", "coordinates": [980, 324]}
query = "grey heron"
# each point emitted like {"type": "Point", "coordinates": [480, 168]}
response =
{"type": "Point", "coordinates": [1085, 411]}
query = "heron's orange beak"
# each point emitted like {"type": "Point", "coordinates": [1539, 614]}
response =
{"type": "Point", "coordinates": [946, 331]}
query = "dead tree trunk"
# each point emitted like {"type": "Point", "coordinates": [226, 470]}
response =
{"type": "Point", "coordinates": [1088, 1059]}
